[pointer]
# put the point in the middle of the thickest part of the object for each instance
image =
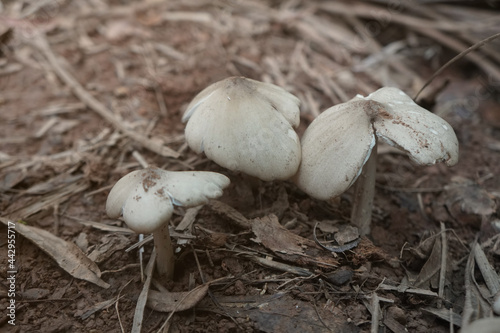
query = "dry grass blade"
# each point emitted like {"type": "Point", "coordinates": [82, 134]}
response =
{"type": "Point", "coordinates": [475, 307]}
{"type": "Point", "coordinates": [43, 46]}
{"type": "Point", "coordinates": [371, 11]}
{"type": "Point", "coordinates": [143, 297]}
{"type": "Point", "coordinates": [431, 266]}
{"type": "Point", "coordinates": [460, 56]}
{"type": "Point", "coordinates": [281, 266]}
{"type": "Point", "coordinates": [98, 307]}
{"type": "Point", "coordinates": [49, 200]}
{"type": "Point", "coordinates": [104, 227]}
{"type": "Point", "coordinates": [67, 255]}
{"type": "Point", "coordinates": [418, 291]}
{"type": "Point", "coordinates": [188, 219]}
{"type": "Point", "coordinates": [453, 318]}
{"type": "Point", "coordinates": [442, 271]}
{"type": "Point", "coordinates": [489, 275]}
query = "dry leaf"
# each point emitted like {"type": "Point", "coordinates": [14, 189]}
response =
{"type": "Point", "coordinates": [431, 266]}
{"type": "Point", "coordinates": [270, 233]}
{"type": "Point", "coordinates": [475, 306]}
{"type": "Point", "coordinates": [469, 197]}
{"type": "Point", "coordinates": [176, 301]}
{"type": "Point", "coordinates": [67, 255]}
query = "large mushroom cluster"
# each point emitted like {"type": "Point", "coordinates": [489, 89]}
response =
{"type": "Point", "coordinates": [248, 126]}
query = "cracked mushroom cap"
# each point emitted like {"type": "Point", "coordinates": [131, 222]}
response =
{"type": "Point", "coordinates": [246, 125]}
{"type": "Point", "coordinates": [146, 197]}
{"type": "Point", "coordinates": [338, 142]}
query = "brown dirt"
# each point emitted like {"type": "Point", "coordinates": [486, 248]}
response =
{"type": "Point", "coordinates": [145, 61]}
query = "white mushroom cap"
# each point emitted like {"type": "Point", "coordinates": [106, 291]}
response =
{"type": "Point", "coordinates": [146, 197]}
{"type": "Point", "coordinates": [335, 147]}
{"type": "Point", "coordinates": [338, 142]}
{"type": "Point", "coordinates": [424, 136]}
{"type": "Point", "coordinates": [246, 125]}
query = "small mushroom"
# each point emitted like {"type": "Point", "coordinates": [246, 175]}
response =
{"type": "Point", "coordinates": [341, 144]}
{"type": "Point", "coordinates": [246, 125]}
{"type": "Point", "coordinates": [146, 197]}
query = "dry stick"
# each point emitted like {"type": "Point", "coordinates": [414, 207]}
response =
{"type": "Point", "coordinates": [487, 66]}
{"type": "Point", "coordinates": [116, 305]}
{"type": "Point", "coordinates": [40, 42]}
{"type": "Point", "coordinates": [442, 272]}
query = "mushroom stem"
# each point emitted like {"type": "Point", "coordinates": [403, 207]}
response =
{"type": "Point", "coordinates": [164, 252]}
{"type": "Point", "coordinates": [364, 191]}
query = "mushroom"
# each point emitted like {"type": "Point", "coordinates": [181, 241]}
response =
{"type": "Point", "coordinates": [246, 125]}
{"type": "Point", "coordinates": [146, 197]}
{"type": "Point", "coordinates": [341, 144]}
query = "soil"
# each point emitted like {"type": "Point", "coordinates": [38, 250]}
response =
{"type": "Point", "coordinates": [144, 62]}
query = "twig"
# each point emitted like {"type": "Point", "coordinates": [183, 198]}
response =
{"type": "Point", "coordinates": [139, 158]}
{"type": "Point", "coordinates": [320, 318]}
{"type": "Point", "coordinates": [40, 42]}
{"type": "Point", "coordinates": [116, 305]}
{"type": "Point", "coordinates": [121, 269]}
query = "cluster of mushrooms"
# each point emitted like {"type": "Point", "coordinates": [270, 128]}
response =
{"type": "Point", "coordinates": [248, 126]}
